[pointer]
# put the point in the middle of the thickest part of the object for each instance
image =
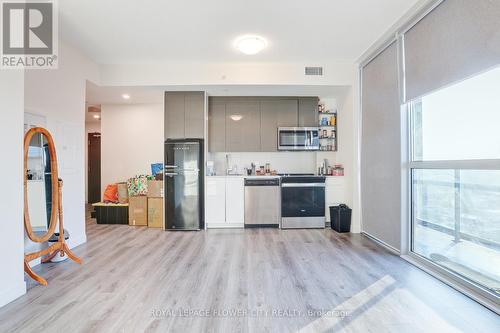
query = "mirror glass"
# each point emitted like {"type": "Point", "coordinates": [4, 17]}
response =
{"type": "Point", "coordinates": [39, 184]}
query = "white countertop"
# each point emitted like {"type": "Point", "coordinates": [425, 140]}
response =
{"type": "Point", "coordinates": [243, 176]}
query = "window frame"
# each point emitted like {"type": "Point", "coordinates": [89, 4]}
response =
{"type": "Point", "coordinates": [465, 285]}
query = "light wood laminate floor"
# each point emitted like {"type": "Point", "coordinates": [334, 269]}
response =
{"type": "Point", "coordinates": [261, 280]}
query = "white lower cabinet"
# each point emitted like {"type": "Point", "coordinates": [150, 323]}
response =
{"type": "Point", "coordinates": [215, 201]}
{"type": "Point", "coordinates": [235, 201]}
{"type": "Point", "coordinates": [224, 201]}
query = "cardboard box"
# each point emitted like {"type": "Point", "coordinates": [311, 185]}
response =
{"type": "Point", "coordinates": [138, 211]}
{"type": "Point", "coordinates": [122, 193]}
{"type": "Point", "coordinates": [155, 212]}
{"type": "Point", "coordinates": [155, 189]}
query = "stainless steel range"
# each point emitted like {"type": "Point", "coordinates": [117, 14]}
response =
{"type": "Point", "coordinates": [302, 201]}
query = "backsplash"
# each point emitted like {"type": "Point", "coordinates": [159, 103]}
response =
{"type": "Point", "coordinates": [282, 162]}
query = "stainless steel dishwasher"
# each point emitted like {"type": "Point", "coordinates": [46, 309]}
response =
{"type": "Point", "coordinates": [262, 202]}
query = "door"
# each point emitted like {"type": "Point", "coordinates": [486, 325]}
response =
{"type": "Point", "coordinates": [194, 125]}
{"type": "Point", "coordinates": [274, 114]}
{"type": "Point", "coordinates": [300, 201]}
{"type": "Point", "coordinates": [174, 115]}
{"type": "Point", "coordinates": [216, 201]}
{"type": "Point", "coordinates": [235, 200]}
{"type": "Point", "coordinates": [184, 187]}
{"type": "Point", "coordinates": [308, 111]}
{"type": "Point", "coordinates": [300, 138]}
{"type": "Point", "coordinates": [217, 127]}
{"type": "Point", "coordinates": [94, 168]}
{"type": "Point", "coordinates": [242, 126]}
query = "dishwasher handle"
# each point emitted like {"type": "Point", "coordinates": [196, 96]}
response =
{"type": "Point", "coordinates": [262, 182]}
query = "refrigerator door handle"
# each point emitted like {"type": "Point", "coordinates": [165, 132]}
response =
{"type": "Point", "coordinates": [170, 174]}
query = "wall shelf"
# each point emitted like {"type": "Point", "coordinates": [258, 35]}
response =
{"type": "Point", "coordinates": [327, 133]}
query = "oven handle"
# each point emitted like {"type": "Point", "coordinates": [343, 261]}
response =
{"type": "Point", "coordinates": [303, 185]}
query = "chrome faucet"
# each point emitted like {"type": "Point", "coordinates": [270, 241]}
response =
{"type": "Point", "coordinates": [228, 169]}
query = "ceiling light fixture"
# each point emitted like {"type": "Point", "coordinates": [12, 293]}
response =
{"type": "Point", "coordinates": [126, 96]}
{"type": "Point", "coordinates": [236, 117]}
{"type": "Point", "coordinates": [250, 44]}
{"type": "Point", "coordinates": [96, 116]}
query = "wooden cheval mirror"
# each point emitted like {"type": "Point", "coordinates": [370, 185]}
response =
{"type": "Point", "coordinates": [44, 201]}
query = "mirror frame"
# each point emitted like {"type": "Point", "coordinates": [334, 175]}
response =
{"type": "Point", "coordinates": [55, 186]}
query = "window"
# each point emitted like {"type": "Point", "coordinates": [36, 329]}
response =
{"type": "Point", "coordinates": [455, 177]}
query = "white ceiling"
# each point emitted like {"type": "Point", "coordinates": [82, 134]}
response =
{"type": "Point", "coordinates": [306, 31]}
{"type": "Point", "coordinates": [98, 95]}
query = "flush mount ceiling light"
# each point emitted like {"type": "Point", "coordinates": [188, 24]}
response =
{"type": "Point", "coordinates": [250, 44]}
{"type": "Point", "coordinates": [96, 116]}
{"type": "Point", "coordinates": [126, 96]}
{"type": "Point", "coordinates": [236, 117]}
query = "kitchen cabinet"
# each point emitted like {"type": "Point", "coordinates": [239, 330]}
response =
{"type": "Point", "coordinates": [249, 124]}
{"type": "Point", "coordinates": [243, 126]}
{"type": "Point", "coordinates": [174, 115]}
{"type": "Point", "coordinates": [276, 113]}
{"type": "Point", "coordinates": [217, 126]}
{"type": "Point", "coordinates": [215, 201]}
{"type": "Point", "coordinates": [184, 115]}
{"type": "Point", "coordinates": [194, 115]}
{"type": "Point", "coordinates": [225, 202]}
{"type": "Point", "coordinates": [308, 112]}
{"type": "Point", "coordinates": [235, 200]}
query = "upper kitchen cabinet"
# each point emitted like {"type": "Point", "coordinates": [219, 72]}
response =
{"type": "Point", "coordinates": [216, 126]}
{"type": "Point", "coordinates": [184, 115]}
{"type": "Point", "coordinates": [276, 113]}
{"type": "Point", "coordinates": [308, 111]}
{"type": "Point", "coordinates": [243, 125]}
{"type": "Point", "coordinates": [247, 124]}
{"type": "Point", "coordinates": [195, 115]}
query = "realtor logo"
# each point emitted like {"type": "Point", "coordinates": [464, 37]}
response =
{"type": "Point", "coordinates": [29, 34]}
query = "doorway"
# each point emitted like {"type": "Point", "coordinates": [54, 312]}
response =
{"type": "Point", "coordinates": [94, 167]}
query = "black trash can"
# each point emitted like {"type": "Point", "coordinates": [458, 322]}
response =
{"type": "Point", "coordinates": [340, 217]}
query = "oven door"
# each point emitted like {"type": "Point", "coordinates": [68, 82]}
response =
{"type": "Point", "coordinates": [302, 200]}
{"type": "Point", "coordinates": [298, 138]}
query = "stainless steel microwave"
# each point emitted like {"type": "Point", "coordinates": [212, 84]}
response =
{"type": "Point", "coordinates": [298, 138]}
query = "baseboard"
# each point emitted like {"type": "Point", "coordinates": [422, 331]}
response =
{"type": "Point", "coordinates": [382, 243]}
{"type": "Point", "coordinates": [74, 242]}
{"type": "Point", "coordinates": [225, 226]}
{"type": "Point", "coordinates": [10, 294]}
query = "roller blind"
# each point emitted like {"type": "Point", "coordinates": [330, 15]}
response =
{"type": "Point", "coordinates": [457, 39]}
{"type": "Point", "coordinates": [381, 149]}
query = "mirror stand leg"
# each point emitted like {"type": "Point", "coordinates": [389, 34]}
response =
{"type": "Point", "coordinates": [70, 254]}
{"type": "Point", "coordinates": [33, 275]}
{"type": "Point", "coordinates": [49, 257]}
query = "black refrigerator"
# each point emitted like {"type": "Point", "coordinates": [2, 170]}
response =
{"type": "Point", "coordinates": [184, 195]}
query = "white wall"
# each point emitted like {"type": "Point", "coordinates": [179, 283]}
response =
{"type": "Point", "coordinates": [11, 196]}
{"type": "Point", "coordinates": [90, 127]}
{"type": "Point", "coordinates": [131, 139]}
{"type": "Point", "coordinates": [346, 153]}
{"type": "Point", "coordinates": [337, 73]}
{"type": "Point", "coordinates": [59, 95]}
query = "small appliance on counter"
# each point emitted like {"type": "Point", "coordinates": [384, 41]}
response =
{"type": "Point", "coordinates": [302, 201]}
{"type": "Point", "coordinates": [327, 170]}
{"type": "Point", "coordinates": [210, 168]}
